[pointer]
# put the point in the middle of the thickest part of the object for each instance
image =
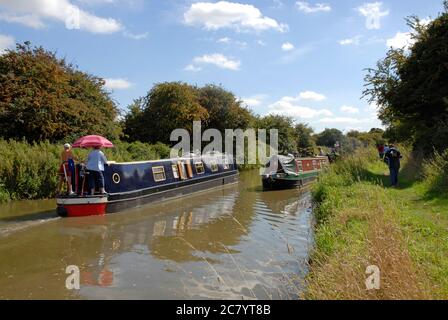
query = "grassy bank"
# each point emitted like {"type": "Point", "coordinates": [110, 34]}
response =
{"type": "Point", "coordinates": [29, 171]}
{"type": "Point", "coordinates": [363, 222]}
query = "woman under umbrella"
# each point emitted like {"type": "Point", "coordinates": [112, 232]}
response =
{"type": "Point", "coordinates": [95, 166]}
{"type": "Point", "coordinates": [96, 160]}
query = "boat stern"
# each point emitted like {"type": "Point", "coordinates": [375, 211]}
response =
{"type": "Point", "coordinates": [81, 206]}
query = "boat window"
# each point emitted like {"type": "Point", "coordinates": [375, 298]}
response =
{"type": "Point", "coordinates": [116, 178]}
{"type": "Point", "coordinates": [182, 170]}
{"type": "Point", "coordinates": [199, 167]}
{"type": "Point", "coordinates": [189, 170]}
{"type": "Point", "coordinates": [314, 164]}
{"type": "Point", "coordinates": [225, 164]}
{"type": "Point", "coordinates": [299, 165]}
{"type": "Point", "coordinates": [159, 174]}
{"type": "Point", "coordinates": [175, 171]}
{"type": "Point", "coordinates": [214, 166]}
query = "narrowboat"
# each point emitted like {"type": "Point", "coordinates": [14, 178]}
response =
{"type": "Point", "coordinates": [285, 172]}
{"type": "Point", "coordinates": [134, 184]}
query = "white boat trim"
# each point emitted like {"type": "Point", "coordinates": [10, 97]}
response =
{"type": "Point", "coordinates": [84, 200]}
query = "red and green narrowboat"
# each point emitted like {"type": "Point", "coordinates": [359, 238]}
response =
{"type": "Point", "coordinates": [284, 172]}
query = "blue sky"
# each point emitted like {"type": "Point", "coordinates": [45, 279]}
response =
{"type": "Point", "coordinates": [303, 59]}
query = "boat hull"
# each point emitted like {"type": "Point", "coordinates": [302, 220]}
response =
{"type": "Point", "coordinates": [98, 205]}
{"type": "Point", "coordinates": [271, 183]}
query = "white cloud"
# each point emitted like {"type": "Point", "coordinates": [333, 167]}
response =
{"type": "Point", "coordinates": [311, 95]}
{"type": "Point", "coordinates": [6, 42]}
{"type": "Point", "coordinates": [224, 14]}
{"type": "Point", "coordinates": [351, 41]}
{"type": "Point", "coordinates": [401, 40]}
{"type": "Point", "coordinates": [254, 101]}
{"type": "Point", "coordinates": [261, 43]}
{"type": "Point", "coordinates": [29, 20]}
{"type": "Point", "coordinates": [215, 59]}
{"type": "Point", "coordinates": [286, 106]}
{"type": "Point", "coordinates": [224, 40]}
{"type": "Point", "coordinates": [308, 8]}
{"type": "Point", "coordinates": [343, 120]}
{"type": "Point", "coordinates": [287, 46]}
{"type": "Point", "coordinates": [31, 13]}
{"type": "Point", "coordinates": [404, 40]}
{"type": "Point", "coordinates": [192, 68]}
{"type": "Point", "coordinates": [277, 4]}
{"type": "Point", "coordinates": [373, 14]}
{"type": "Point", "coordinates": [227, 40]}
{"type": "Point", "coordinates": [348, 109]}
{"type": "Point", "coordinates": [373, 107]}
{"type": "Point", "coordinates": [117, 84]}
{"type": "Point", "coordinates": [136, 36]}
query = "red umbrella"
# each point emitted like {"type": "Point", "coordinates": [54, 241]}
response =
{"type": "Point", "coordinates": [92, 142]}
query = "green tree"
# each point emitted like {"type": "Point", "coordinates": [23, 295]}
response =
{"type": "Point", "coordinates": [304, 136]}
{"type": "Point", "coordinates": [224, 109]}
{"type": "Point", "coordinates": [44, 98]}
{"type": "Point", "coordinates": [412, 87]}
{"type": "Point", "coordinates": [167, 106]}
{"type": "Point", "coordinates": [329, 137]}
{"type": "Point", "coordinates": [287, 141]}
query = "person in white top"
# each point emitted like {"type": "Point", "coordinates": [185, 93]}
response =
{"type": "Point", "coordinates": [95, 165]}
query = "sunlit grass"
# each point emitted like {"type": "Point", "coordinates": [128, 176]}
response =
{"type": "Point", "coordinates": [362, 222]}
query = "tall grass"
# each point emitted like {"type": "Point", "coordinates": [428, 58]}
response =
{"type": "Point", "coordinates": [435, 174]}
{"type": "Point", "coordinates": [29, 171]}
{"type": "Point", "coordinates": [358, 226]}
{"type": "Point", "coordinates": [345, 173]}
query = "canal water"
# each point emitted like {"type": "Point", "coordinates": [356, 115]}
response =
{"type": "Point", "coordinates": [235, 242]}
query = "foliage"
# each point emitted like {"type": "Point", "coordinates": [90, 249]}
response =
{"type": "Point", "coordinates": [167, 106]}
{"type": "Point", "coordinates": [374, 137]}
{"type": "Point", "coordinates": [45, 98]}
{"type": "Point", "coordinates": [304, 136]}
{"type": "Point", "coordinates": [224, 109]}
{"type": "Point", "coordinates": [329, 137]}
{"type": "Point", "coordinates": [411, 87]}
{"type": "Point", "coordinates": [435, 173]}
{"type": "Point", "coordinates": [287, 139]}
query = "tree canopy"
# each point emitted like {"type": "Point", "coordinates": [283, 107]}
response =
{"type": "Point", "coordinates": [172, 105]}
{"type": "Point", "coordinates": [329, 137]}
{"type": "Point", "coordinates": [411, 86]}
{"type": "Point", "coordinates": [45, 98]}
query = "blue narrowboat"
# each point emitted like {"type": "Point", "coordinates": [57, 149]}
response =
{"type": "Point", "coordinates": [134, 184]}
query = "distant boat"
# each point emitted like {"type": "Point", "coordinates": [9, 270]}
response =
{"type": "Point", "coordinates": [285, 172]}
{"type": "Point", "coordinates": [134, 184]}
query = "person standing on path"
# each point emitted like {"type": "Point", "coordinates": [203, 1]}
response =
{"type": "Point", "coordinates": [393, 157]}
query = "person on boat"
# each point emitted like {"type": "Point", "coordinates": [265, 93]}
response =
{"type": "Point", "coordinates": [95, 166]}
{"type": "Point", "coordinates": [66, 169]}
{"type": "Point", "coordinates": [393, 156]}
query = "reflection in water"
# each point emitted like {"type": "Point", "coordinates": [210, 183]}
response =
{"type": "Point", "coordinates": [231, 243]}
